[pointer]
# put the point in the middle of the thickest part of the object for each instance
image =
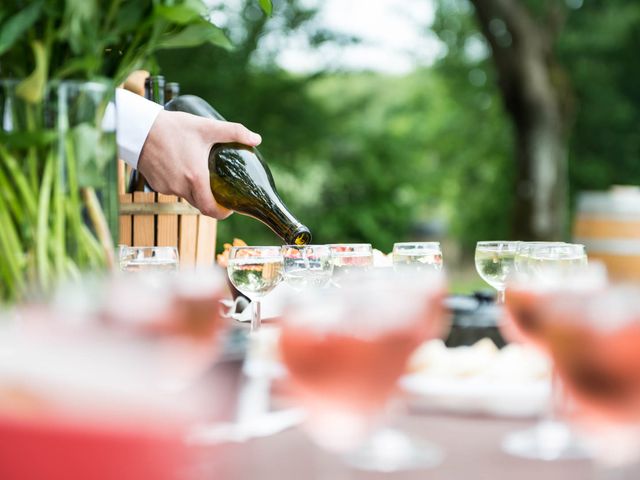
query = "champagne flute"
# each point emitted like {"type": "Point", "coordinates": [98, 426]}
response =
{"type": "Point", "coordinates": [417, 255]}
{"type": "Point", "coordinates": [345, 350]}
{"type": "Point", "coordinates": [494, 262]}
{"type": "Point", "coordinates": [148, 259]}
{"type": "Point", "coordinates": [255, 271]}
{"type": "Point", "coordinates": [307, 265]}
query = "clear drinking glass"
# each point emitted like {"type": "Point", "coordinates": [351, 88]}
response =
{"type": "Point", "coordinates": [345, 350]}
{"type": "Point", "coordinates": [255, 271]}
{"type": "Point", "coordinates": [148, 259]}
{"type": "Point", "coordinates": [494, 262]}
{"type": "Point", "coordinates": [417, 255]}
{"type": "Point", "coordinates": [521, 264]}
{"type": "Point", "coordinates": [307, 265]}
{"type": "Point", "coordinates": [350, 257]}
{"type": "Point", "coordinates": [527, 321]}
{"type": "Point", "coordinates": [558, 260]}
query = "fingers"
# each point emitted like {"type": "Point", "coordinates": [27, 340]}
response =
{"type": "Point", "coordinates": [203, 200]}
{"type": "Point", "coordinates": [223, 132]}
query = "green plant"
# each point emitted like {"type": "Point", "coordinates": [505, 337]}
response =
{"type": "Point", "coordinates": [56, 160]}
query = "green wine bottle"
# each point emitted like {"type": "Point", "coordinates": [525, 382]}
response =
{"type": "Point", "coordinates": [154, 90]}
{"type": "Point", "coordinates": [241, 180]}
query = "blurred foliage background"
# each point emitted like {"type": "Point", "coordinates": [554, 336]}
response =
{"type": "Point", "coordinates": [371, 157]}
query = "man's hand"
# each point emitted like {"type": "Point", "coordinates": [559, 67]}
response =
{"type": "Point", "coordinates": [174, 158]}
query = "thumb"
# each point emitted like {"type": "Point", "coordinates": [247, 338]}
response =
{"type": "Point", "coordinates": [222, 132]}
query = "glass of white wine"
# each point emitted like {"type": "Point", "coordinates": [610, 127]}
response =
{"type": "Point", "coordinates": [350, 257]}
{"type": "Point", "coordinates": [148, 259]}
{"type": "Point", "coordinates": [255, 271]}
{"type": "Point", "coordinates": [307, 266]}
{"type": "Point", "coordinates": [417, 256]}
{"type": "Point", "coordinates": [556, 260]}
{"type": "Point", "coordinates": [494, 262]}
{"type": "Point", "coordinates": [522, 265]}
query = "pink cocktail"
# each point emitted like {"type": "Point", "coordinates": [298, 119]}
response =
{"type": "Point", "coordinates": [346, 348]}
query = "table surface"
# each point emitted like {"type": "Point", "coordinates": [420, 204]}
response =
{"type": "Point", "coordinates": [471, 445]}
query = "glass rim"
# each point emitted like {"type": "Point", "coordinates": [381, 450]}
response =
{"type": "Point", "coordinates": [331, 245]}
{"type": "Point", "coordinates": [309, 245]}
{"type": "Point", "coordinates": [416, 244]}
{"type": "Point", "coordinates": [498, 242]}
{"type": "Point", "coordinates": [147, 247]}
{"type": "Point", "coordinates": [264, 251]}
{"type": "Point", "coordinates": [254, 247]}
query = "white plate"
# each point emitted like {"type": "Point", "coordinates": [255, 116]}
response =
{"type": "Point", "coordinates": [477, 395]}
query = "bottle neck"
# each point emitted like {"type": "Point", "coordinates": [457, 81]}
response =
{"type": "Point", "coordinates": [284, 224]}
{"type": "Point", "coordinates": [171, 91]}
{"type": "Point", "coordinates": [154, 89]}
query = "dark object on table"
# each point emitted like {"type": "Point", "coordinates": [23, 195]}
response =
{"type": "Point", "coordinates": [473, 317]}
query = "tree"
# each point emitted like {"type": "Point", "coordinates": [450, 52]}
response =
{"type": "Point", "coordinates": [537, 97]}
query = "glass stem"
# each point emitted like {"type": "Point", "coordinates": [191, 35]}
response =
{"type": "Point", "coordinates": [255, 315]}
{"type": "Point", "coordinates": [500, 297]}
{"type": "Point", "coordinates": [558, 399]}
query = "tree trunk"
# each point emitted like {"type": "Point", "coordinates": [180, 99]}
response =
{"type": "Point", "coordinates": [535, 96]}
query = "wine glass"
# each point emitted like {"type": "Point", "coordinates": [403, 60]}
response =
{"type": "Point", "coordinates": [307, 265]}
{"type": "Point", "coordinates": [175, 315]}
{"type": "Point", "coordinates": [494, 262]}
{"type": "Point", "coordinates": [145, 259]}
{"type": "Point", "coordinates": [558, 260]}
{"type": "Point", "coordinates": [350, 257]}
{"type": "Point", "coordinates": [526, 321]}
{"type": "Point", "coordinates": [255, 271]}
{"type": "Point", "coordinates": [521, 263]}
{"type": "Point", "coordinates": [593, 339]}
{"type": "Point", "coordinates": [345, 350]}
{"type": "Point", "coordinates": [417, 255]}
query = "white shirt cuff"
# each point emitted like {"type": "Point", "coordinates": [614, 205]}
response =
{"type": "Point", "coordinates": [135, 117]}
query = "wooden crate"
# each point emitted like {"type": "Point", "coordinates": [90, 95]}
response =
{"type": "Point", "coordinates": [153, 219]}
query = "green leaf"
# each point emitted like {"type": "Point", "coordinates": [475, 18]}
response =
{"type": "Point", "coordinates": [75, 66]}
{"type": "Point", "coordinates": [81, 16]}
{"type": "Point", "coordinates": [179, 14]}
{"type": "Point", "coordinates": [24, 139]}
{"type": "Point", "coordinates": [32, 87]}
{"type": "Point", "coordinates": [267, 6]}
{"type": "Point", "coordinates": [194, 35]}
{"type": "Point", "coordinates": [129, 17]}
{"type": "Point", "coordinates": [16, 26]}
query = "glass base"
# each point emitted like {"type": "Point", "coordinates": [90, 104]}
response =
{"type": "Point", "coordinates": [548, 440]}
{"type": "Point", "coordinates": [393, 451]}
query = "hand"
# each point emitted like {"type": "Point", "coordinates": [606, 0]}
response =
{"type": "Point", "coordinates": [174, 158]}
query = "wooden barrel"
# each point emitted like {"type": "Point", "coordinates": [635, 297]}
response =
{"type": "Point", "coordinates": [152, 219]}
{"type": "Point", "coordinates": [608, 224]}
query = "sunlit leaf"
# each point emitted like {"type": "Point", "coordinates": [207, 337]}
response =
{"type": "Point", "coordinates": [195, 35]}
{"type": "Point", "coordinates": [14, 27]}
{"type": "Point", "coordinates": [180, 14]}
{"type": "Point", "coordinates": [32, 87]}
{"type": "Point", "coordinates": [266, 6]}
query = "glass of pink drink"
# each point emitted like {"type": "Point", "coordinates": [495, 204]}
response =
{"type": "Point", "coordinates": [525, 321]}
{"type": "Point", "coordinates": [345, 349]}
{"type": "Point", "coordinates": [594, 340]}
